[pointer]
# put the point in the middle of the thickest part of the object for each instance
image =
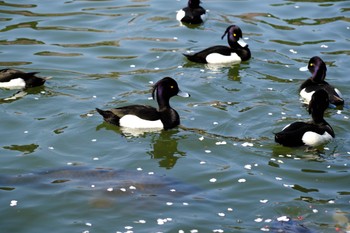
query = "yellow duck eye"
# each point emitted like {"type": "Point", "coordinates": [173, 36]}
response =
{"type": "Point", "coordinates": [311, 64]}
{"type": "Point", "coordinates": [171, 87]}
{"type": "Point", "coordinates": [234, 34]}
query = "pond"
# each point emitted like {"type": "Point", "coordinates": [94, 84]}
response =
{"type": "Point", "coordinates": [65, 170]}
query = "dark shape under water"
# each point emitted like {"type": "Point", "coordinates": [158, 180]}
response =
{"type": "Point", "coordinates": [136, 182]}
{"type": "Point", "coordinates": [287, 225]}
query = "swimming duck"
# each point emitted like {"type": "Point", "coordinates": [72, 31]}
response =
{"type": "Point", "coordinates": [313, 133]}
{"type": "Point", "coordinates": [141, 116]}
{"type": "Point", "coordinates": [318, 70]}
{"type": "Point", "coordinates": [16, 79]}
{"type": "Point", "coordinates": [237, 50]}
{"type": "Point", "coordinates": [192, 14]}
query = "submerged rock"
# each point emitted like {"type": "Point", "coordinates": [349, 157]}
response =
{"type": "Point", "coordinates": [136, 182]}
{"type": "Point", "coordinates": [285, 224]}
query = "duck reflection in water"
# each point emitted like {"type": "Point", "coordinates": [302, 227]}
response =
{"type": "Point", "coordinates": [165, 149]}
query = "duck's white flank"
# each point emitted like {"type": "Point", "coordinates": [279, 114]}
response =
{"type": "Point", "coordinates": [132, 121]}
{"type": "Point", "coordinates": [338, 92]}
{"type": "Point", "coordinates": [216, 58]}
{"type": "Point", "coordinates": [16, 83]}
{"type": "Point", "coordinates": [314, 139]}
{"type": "Point", "coordinates": [180, 14]}
{"type": "Point", "coordinates": [306, 96]}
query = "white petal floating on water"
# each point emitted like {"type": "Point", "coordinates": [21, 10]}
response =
{"type": "Point", "coordinates": [229, 209]}
{"type": "Point", "coordinates": [218, 230]}
{"type": "Point", "coordinates": [221, 214]}
{"type": "Point", "coordinates": [324, 46]}
{"type": "Point", "coordinates": [169, 203]}
{"type": "Point", "coordinates": [88, 224]}
{"type": "Point", "coordinates": [283, 219]}
{"type": "Point", "coordinates": [132, 187]}
{"type": "Point", "coordinates": [264, 201]}
{"type": "Point", "coordinates": [241, 180]}
{"type": "Point", "coordinates": [201, 138]}
{"type": "Point", "coordinates": [185, 203]}
{"type": "Point", "coordinates": [258, 220]}
{"type": "Point", "coordinates": [315, 211]}
{"type": "Point", "coordinates": [221, 143]}
{"type": "Point", "coordinates": [247, 144]}
{"type": "Point", "coordinates": [207, 151]}
{"type": "Point", "coordinates": [212, 180]}
{"type": "Point", "coordinates": [248, 166]}
{"type": "Point", "coordinates": [110, 189]}
{"type": "Point", "coordinates": [202, 162]}
{"type": "Point", "coordinates": [293, 51]}
{"type": "Point", "coordinates": [278, 178]}
{"type": "Point", "coordinates": [13, 203]}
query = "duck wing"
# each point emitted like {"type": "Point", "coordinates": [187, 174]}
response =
{"type": "Point", "coordinates": [201, 56]}
{"type": "Point", "coordinates": [7, 75]}
{"type": "Point", "coordinates": [142, 111]}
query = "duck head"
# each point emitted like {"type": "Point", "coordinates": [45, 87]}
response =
{"type": "Point", "coordinates": [234, 36]}
{"type": "Point", "coordinates": [317, 68]}
{"type": "Point", "coordinates": [193, 3]}
{"type": "Point", "coordinates": [166, 88]}
{"type": "Point", "coordinates": [319, 102]}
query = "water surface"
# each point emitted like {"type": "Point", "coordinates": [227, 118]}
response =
{"type": "Point", "coordinates": [109, 53]}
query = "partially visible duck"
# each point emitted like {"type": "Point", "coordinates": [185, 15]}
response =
{"type": "Point", "coordinates": [142, 116]}
{"type": "Point", "coordinates": [16, 79]}
{"type": "Point", "coordinates": [318, 70]}
{"type": "Point", "coordinates": [313, 133]}
{"type": "Point", "coordinates": [192, 14]}
{"type": "Point", "coordinates": [236, 52]}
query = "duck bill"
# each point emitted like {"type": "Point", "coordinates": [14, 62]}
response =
{"type": "Point", "coordinates": [242, 43]}
{"type": "Point", "coordinates": [183, 94]}
{"type": "Point", "coordinates": [304, 68]}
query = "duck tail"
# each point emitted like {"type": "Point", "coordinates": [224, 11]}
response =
{"type": "Point", "coordinates": [105, 114]}
{"type": "Point", "coordinates": [108, 116]}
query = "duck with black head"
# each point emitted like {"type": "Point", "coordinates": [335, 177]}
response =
{"type": "Point", "coordinates": [147, 117]}
{"type": "Point", "coordinates": [313, 133]}
{"type": "Point", "coordinates": [236, 52]}
{"type": "Point", "coordinates": [192, 14]}
{"type": "Point", "coordinates": [16, 79]}
{"type": "Point", "coordinates": [318, 70]}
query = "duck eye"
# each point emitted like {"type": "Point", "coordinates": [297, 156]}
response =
{"type": "Point", "coordinates": [234, 34]}
{"type": "Point", "coordinates": [311, 64]}
{"type": "Point", "coordinates": [171, 87]}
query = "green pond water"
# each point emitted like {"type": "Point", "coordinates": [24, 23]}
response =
{"type": "Point", "coordinates": [221, 171]}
